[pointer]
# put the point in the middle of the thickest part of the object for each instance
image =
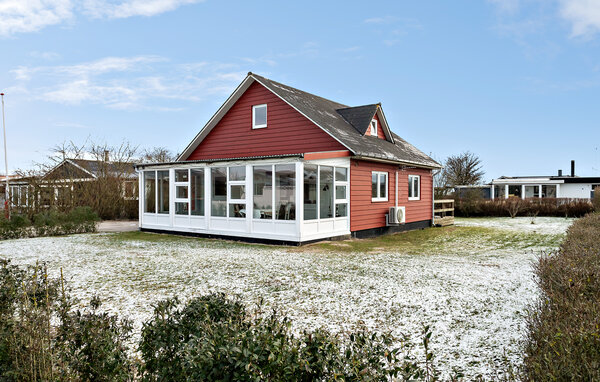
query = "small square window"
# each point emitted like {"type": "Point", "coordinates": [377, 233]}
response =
{"type": "Point", "coordinates": [259, 116]}
{"type": "Point", "coordinates": [373, 127]}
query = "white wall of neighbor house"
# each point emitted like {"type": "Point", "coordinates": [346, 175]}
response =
{"type": "Point", "coordinates": [260, 199]}
{"type": "Point", "coordinates": [574, 190]}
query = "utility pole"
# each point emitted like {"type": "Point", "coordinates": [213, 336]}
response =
{"type": "Point", "coordinates": [6, 194]}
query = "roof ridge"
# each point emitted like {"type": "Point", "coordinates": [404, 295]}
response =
{"type": "Point", "coordinates": [299, 90]}
{"type": "Point", "coordinates": [354, 107]}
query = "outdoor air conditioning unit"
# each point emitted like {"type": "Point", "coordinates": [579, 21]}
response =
{"type": "Point", "coordinates": [397, 215]}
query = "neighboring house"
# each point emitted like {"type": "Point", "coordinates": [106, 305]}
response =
{"type": "Point", "coordinates": [277, 163]}
{"type": "Point", "coordinates": [484, 190]}
{"type": "Point", "coordinates": [62, 183]}
{"type": "Point", "coordinates": [560, 186]}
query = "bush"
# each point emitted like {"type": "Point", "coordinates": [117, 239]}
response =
{"type": "Point", "coordinates": [524, 207]}
{"type": "Point", "coordinates": [43, 338]}
{"type": "Point", "coordinates": [49, 223]}
{"type": "Point", "coordinates": [596, 199]}
{"type": "Point", "coordinates": [214, 338]}
{"type": "Point", "coordinates": [563, 341]}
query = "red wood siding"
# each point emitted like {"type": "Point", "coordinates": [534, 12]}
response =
{"type": "Point", "coordinates": [287, 131]}
{"type": "Point", "coordinates": [366, 214]}
{"type": "Point", "coordinates": [380, 133]}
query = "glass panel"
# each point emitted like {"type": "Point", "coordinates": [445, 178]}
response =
{"type": "Point", "coordinates": [341, 210]}
{"type": "Point", "coordinates": [498, 192]}
{"type": "Point", "coordinates": [219, 191]}
{"type": "Point", "coordinates": [374, 185]}
{"type": "Point", "coordinates": [163, 191]}
{"type": "Point", "coordinates": [197, 191]}
{"type": "Point", "coordinates": [548, 191]}
{"type": "Point", "coordinates": [238, 192]}
{"type": "Point", "coordinates": [181, 208]}
{"type": "Point", "coordinates": [260, 115]}
{"type": "Point", "coordinates": [514, 191]}
{"type": "Point", "coordinates": [341, 174]}
{"type": "Point", "coordinates": [326, 192]}
{"type": "Point", "coordinates": [23, 194]}
{"type": "Point", "coordinates": [149, 191]}
{"type": "Point", "coordinates": [340, 192]}
{"type": "Point", "coordinates": [285, 191]}
{"type": "Point", "coordinates": [237, 210]}
{"type": "Point", "coordinates": [263, 192]}
{"type": "Point", "coordinates": [383, 186]}
{"type": "Point", "coordinates": [237, 173]}
{"type": "Point", "coordinates": [181, 192]}
{"type": "Point", "coordinates": [181, 175]}
{"type": "Point", "coordinates": [532, 191]}
{"type": "Point", "coordinates": [310, 191]}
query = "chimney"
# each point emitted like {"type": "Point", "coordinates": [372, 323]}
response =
{"type": "Point", "coordinates": [559, 172]}
{"type": "Point", "coordinates": [572, 168]}
{"type": "Point", "coordinates": [106, 155]}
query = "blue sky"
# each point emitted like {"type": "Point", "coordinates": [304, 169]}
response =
{"type": "Point", "coordinates": [515, 81]}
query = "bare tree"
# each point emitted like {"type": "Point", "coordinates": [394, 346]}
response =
{"type": "Point", "coordinates": [463, 169]}
{"type": "Point", "coordinates": [158, 155]}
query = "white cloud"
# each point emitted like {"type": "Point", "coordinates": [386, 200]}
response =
{"type": "Point", "coordinates": [584, 16]}
{"type": "Point", "coordinates": [128, 83]}
{"type": "Point", "coordinates": [506, 6]}
{"type": "Point", "coordinates": [130, 8]}
{"type": "Point", "coordinates": [47, 56]}
{"type": "Point", "coordinates": [23, 16]}
{"type": "Point", "coordinates": [380, 20]}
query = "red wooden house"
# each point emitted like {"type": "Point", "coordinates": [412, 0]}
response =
{"type": "Point", "coordinates": [277, 163]}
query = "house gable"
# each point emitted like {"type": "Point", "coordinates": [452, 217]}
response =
{"type": "Point", "coordinates": [287, 131]}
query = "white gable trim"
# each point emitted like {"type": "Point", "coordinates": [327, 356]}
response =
{"type": "Point", "coordinates": [237, 93]}
{"type": "Point", "coordinates": [63, 162]}
{"type": "Point", "coordinates": [225, 108]}
{"type": "Point", "coordinates": [386, 128]}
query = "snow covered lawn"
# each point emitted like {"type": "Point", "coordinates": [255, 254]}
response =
{"type": "Point", "coordinates": [471, 283]}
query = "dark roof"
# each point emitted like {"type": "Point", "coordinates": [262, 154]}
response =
{"type": "Point", "coordinates": [360, 116]}
{"type": "Point", "coordinates": [326, 114]}
{"type": "Point", "coordinates": [577, 179]}
{"type": "Point", "coordinates": [85, 168]}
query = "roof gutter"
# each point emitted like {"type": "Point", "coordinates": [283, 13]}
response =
{"type": "Point", "coordinates": [189, 162]}
{"type": "Point", "coordinates": [391, 161]}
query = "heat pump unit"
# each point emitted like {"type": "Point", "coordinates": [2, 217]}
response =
{"type": "Point", "coordinates": [396, 215]}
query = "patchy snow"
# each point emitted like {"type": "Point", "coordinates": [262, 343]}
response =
{"type": "Point", "coordinates": [473, 297]}
{"type": "Point", "coordinates": [542, 225]}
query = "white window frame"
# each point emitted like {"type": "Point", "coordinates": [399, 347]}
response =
{"type": "Point", "coordinates": [254, 125]}
{"type": "Point", "coordinates": [185, 184]}
{"type": "Point", "coordinates": [380, 198]}
{"type": "Point", "coordinates": [344, 183]}
{"type": "Point", "coordinates": [230, 200]}
{"type": "Point", "coordinates": [374, 127]}
{"type": "Point", "coordinates": [418, 197]}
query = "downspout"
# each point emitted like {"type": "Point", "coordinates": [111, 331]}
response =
{"type": "Point", "coordinates": [433, 174]}
{"type": "Point", "coordinates": [396, 203]}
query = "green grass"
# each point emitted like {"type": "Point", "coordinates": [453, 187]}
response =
{"type": "Point", "coordinates": [443, 240]}
{"type": "Point", "coordinates": [425, 241]}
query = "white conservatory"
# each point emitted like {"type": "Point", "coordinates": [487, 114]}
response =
{"type": "Point", "coordinates": [283, 198]}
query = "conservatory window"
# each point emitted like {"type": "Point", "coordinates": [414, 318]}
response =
{"type": "Point", "coordinates": [263, 192]}
{"type": "Point", "coordinates": [162, 178]}
{"type": "Point", "coordinates": [149, 191]}
{"type": "Point", "coordinates": [326, 192]}
{"type": "Point", "coordinates": [310, 191]}
{"type": "Point", "coordinates": [237, 192]}
{"type": "Point", "coordinates": [285, 191]}
{"type": "Point", "coordinates": [259, 116]}
{"type": "Point", "coordinates": [341, 192]}
{"type": "Point", "coordinates": [197, 192]}
{"type": "Point", "coordinates": [218, 191]}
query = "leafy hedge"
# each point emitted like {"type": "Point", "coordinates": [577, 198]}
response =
{"type": "Point", "coordinates": [564, 327]}
{"type": "Point", "coordinates": [474, 207]}
{"type": "Point", "coordinates": [49, 223]}
{"type": "Point", "coordinates": [211, 338]}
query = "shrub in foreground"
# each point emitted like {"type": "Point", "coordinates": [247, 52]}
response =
{"type": "Point", "coordinates": [49, 223]}
{"type": "Point", "coordinates": [214, 338]}
{"type": "Point", "coordinates": [563, 341]}
{"type": "Point", "coordinates": [523, 207]}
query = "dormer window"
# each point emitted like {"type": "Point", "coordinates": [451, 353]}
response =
{"type": "Point", "coordinates": [373, 127]}
{"type": "Point", "coordinates": [259, 116]}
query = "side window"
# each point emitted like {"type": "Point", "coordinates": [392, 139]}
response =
{"type": "Point", "coordinates": [259, 116]}
{"type": "Point", "coordinates": [379, 186]}
{"type": "Point", "coordinates": [414, 187]}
